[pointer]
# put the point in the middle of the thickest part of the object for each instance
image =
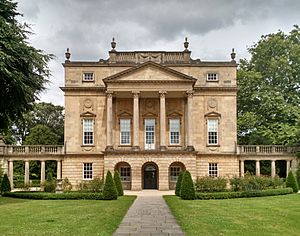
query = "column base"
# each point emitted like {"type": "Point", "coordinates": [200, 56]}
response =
{"type": "Point", "coordinates": [109, 148]}
{"type": "Point", "coordinates": [190, 148]}
{"type": "Point", "coordinates": [163, 148]}
{"type": "Point", "coordinates": [135, 148]}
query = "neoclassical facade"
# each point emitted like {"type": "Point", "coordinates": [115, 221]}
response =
{"type": "Point", "coordinates": [149, 115]}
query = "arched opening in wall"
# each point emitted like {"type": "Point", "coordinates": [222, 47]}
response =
{"type": "Point", "coordinates": [265, 167]}
{"type": "Point", "coordinates": [281, 168]}
{"type": "Point", "coordinates": [174, 170]}
{"type": "Point", "coordinates": [150, 176]}
{"type": "Point", "coordinates": [124, 170]}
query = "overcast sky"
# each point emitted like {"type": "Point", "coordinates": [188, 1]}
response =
{"type": "Point", "coordinates": [213, 28]}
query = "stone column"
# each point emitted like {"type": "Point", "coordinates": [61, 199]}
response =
{"type": "Point", "coordinates": [242, 168]}
{"type": "Point", "coordinates": [11, 173]}
{"type": "Point", "coordinates": [162, 120]}
{"type": "Point", "coordinates": [109, 144]}
{"type": "Point", "coordinates": [273, 168]}
{"type": "Point", "coordinates": [257, 171]}
{"type": "Point", "coordinates": [288, 167]}
{"type": "Point", "coordinates": [136, 127]}
{"type": "Point", "coordinates": [43, 171]}
{"type": "Point", "coordinates": [58, 172]}
{"type": "Point", "coordinates": [189, 120]}
{"type": "Point", "coordinates": [26, 179]}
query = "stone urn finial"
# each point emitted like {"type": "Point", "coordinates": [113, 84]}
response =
{"type": "Point", "coordinates": [113, 44]}
{"type": "Point", "coordinates": [186, 44]}
{"type": "Point", "coordinates": [68, 54]}
{"type": "Point", "coordinates": [232, 55]}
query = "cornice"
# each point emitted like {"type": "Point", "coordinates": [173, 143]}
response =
{"type": "Point", "coordinates": [227, 89]}
{"type": "Point", "coordinates": [81, 88]}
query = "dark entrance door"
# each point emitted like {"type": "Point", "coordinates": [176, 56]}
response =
{"type": "Point", "coordinates": [150, 177]}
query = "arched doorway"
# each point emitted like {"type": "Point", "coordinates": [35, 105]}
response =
{"type": "Point", "coordinates": [150, 175]}
{"type": "Point", "coordinates": [174, 171]}
{"type": "Point", "coordinates": [124, 170]}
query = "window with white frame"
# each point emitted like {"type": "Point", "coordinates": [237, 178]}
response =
{"type": "Point", "coordinates": [174, 173]}
{"type": "Point", "coordinates": [174, 131]}
{"type": "Point", "coordinates": [125, 131]}
{"type": "Point", "coordinates": [213, 169]}
{"type": "Point", "coordinates": [212, 77]}
{"type": "Point", "coordinates": [89, 76]}
{"type": "Point", "coordinates": [149, 133]}
{"type": "Point", "coordinates": [88, 131]}
{"type": "Point", "coordinates": [87, 171]}
{"type": "Point", "coordinates": [125, 173]}
{"type": "Point", "coordinates": [212, 132]}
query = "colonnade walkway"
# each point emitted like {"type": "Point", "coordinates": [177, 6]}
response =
{"type": "Point", "coordinates": [148, 216]}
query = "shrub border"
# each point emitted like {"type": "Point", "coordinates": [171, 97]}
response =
{"type": "Point", "coordinates": [245, 194]}
{"type": "Point", "coordinates": [55, 196]}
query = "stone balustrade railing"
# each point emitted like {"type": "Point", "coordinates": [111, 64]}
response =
{"type": "Point", "coordinates": [32, 149]}
{"type": "Point", "coordinates": [265, 149]}
{"type": "Point", "coordinates": [141, 57]}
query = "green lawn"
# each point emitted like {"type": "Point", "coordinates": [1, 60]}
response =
{"type": "Point", "coordinates": [61, 217]}
{"type": "Point", "coordinates": [277, 215]}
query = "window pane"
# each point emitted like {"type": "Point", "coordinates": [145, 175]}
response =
{"type": "Point", "coordinates": [174, 172]}
{"type": "Point", "coordinates": [87, 171]}
{"type": "Point", "coordinates": [88, 76]}
{"type": "Point", "coordinates": [125, 173]}
{"type": "Point", "coordinates": [174, 131]}
{"type": "Point", "coordinates": [213, 169]}
{"type": "Point", "coordinates": [149, 133]}
{"type": "Point", "coordinates": [88, 131]}
{"type": "Point", "coordinates": [125, 131]}
{"type": "Point", "coordinates": [212, 127]}
{"type": "Point", "coordinates": [212, 77]}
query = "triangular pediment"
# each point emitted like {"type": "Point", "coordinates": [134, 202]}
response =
{"type": "Point", "coordinates": [149, 72]}
{"type": "Point", "coordinates": [149, 114]}
{"type": "Point", "coordinates": [212, 114]}
{"type": "Point", "coordinates": [174, 114]}
{"type": "Point", "coordinates": [87, 114]}
{"type": "Point", "coordinates": [124, 114]}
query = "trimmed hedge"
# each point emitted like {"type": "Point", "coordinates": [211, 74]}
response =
{"type": "Point", "coordinates": [55, 196]}
{"type": "Point", "coordinates": [118, 183]}
{"type": "Point", "coordinates": [178, 183]}
{"type": "Point", "coordinates": [110, 191]}
{"type": "Point", "coordinates": [292, 182]}
{"type": "Point", "coordinates": [5, 184]}
{"type": "Point", "coordinates": [187, 191]}
{"type": "Point", "coordinates": [245, 194]}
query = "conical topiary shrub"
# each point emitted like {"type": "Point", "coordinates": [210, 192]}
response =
{"type": "Point", "coordinates": [291, 182]}
{"type": "Point", "coordinates": [5, 184]}
{"type": "Point", "coordinates": [118, 183]}
{"type": "Point", "coordinates": [109, 191]}
{"type": "Point", "coordinates": [178, 183]}
{"type": "Point", "coordinates": [187, 187]}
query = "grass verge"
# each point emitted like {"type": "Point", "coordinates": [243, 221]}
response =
{"type": "Point", "coordinates": [62, 217]}
{"type": "Point", "coordinates": [276, 215]}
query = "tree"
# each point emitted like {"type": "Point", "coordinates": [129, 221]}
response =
{"type": "Point", "coordinates": [178, 183]}
{"type": "Point", "coordinates": [269, 91]}
{"type": "Point", "coordinates": [40, 135]}
{"type": "Point", "coordinates": [292, 182]}
{"type": "Point", "coordinates": [187, 187]}
{"type": "Point", "coordinates": [5, 184]}
{"type": "Point", "coordinates": [118, 183]}
{"type": "Point", "coordinates": [109, 191]}
{"type": "Point", "coordinates": [46, 114]}
{"type": "Point", "coordinates": [23, 68]}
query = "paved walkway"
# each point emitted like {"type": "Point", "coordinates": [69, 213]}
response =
{"type": "Point", "coordinates": [149, 215]}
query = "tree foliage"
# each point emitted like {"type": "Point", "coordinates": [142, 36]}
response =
{"type": "Point", "coordinates": [23, 68]}
{"type": "Point", "coordinates": [291, 182]}
{"type": "Point", "coordinates": [5, 184]}
{"type": "Point", "coordinates": [178, 183]}
{"type": "Point", "coordinates": [118, 183]}
{"type": "Point", "coordinates": [41, 135]}
{"type": "Point", "coordinates": [187, 187]}
{"type": "Point", "coordinates": [109, 191]}
{"type": "Point", "coordinates": [269, 90]}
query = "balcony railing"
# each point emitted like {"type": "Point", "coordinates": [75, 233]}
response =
{"type": "Point", "coordinates": [32, 149]}
{"type": "Point", "coordinates": [265, 149]}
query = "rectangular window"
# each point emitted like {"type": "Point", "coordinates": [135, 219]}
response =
{"type": "Point", "coordinates": [174, 173]}
{"type": "Point", "coordinates": [125, 173]}
{"type": "Point", "coordinates": [125, 131]}
{"type": "Point", "coordinates": [88, 76]}
{"type": "Point", "coordinates": [212, 132]}
{"type": "Point", "coordinates": [149, 133]}
{"type": "Point", "coordinates": [212, 77]}
{"type": "Point", "coordinates": [88, 132]}
{"type": "Point", "coordinates": [174, 131]}
{"type": "Point", "coordinates": [213, 169]}
{"type": "Point", "coordinates": [87, 171]}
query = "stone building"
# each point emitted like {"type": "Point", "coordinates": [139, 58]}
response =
{"type": "Point", "coordinates": [149, 115]}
